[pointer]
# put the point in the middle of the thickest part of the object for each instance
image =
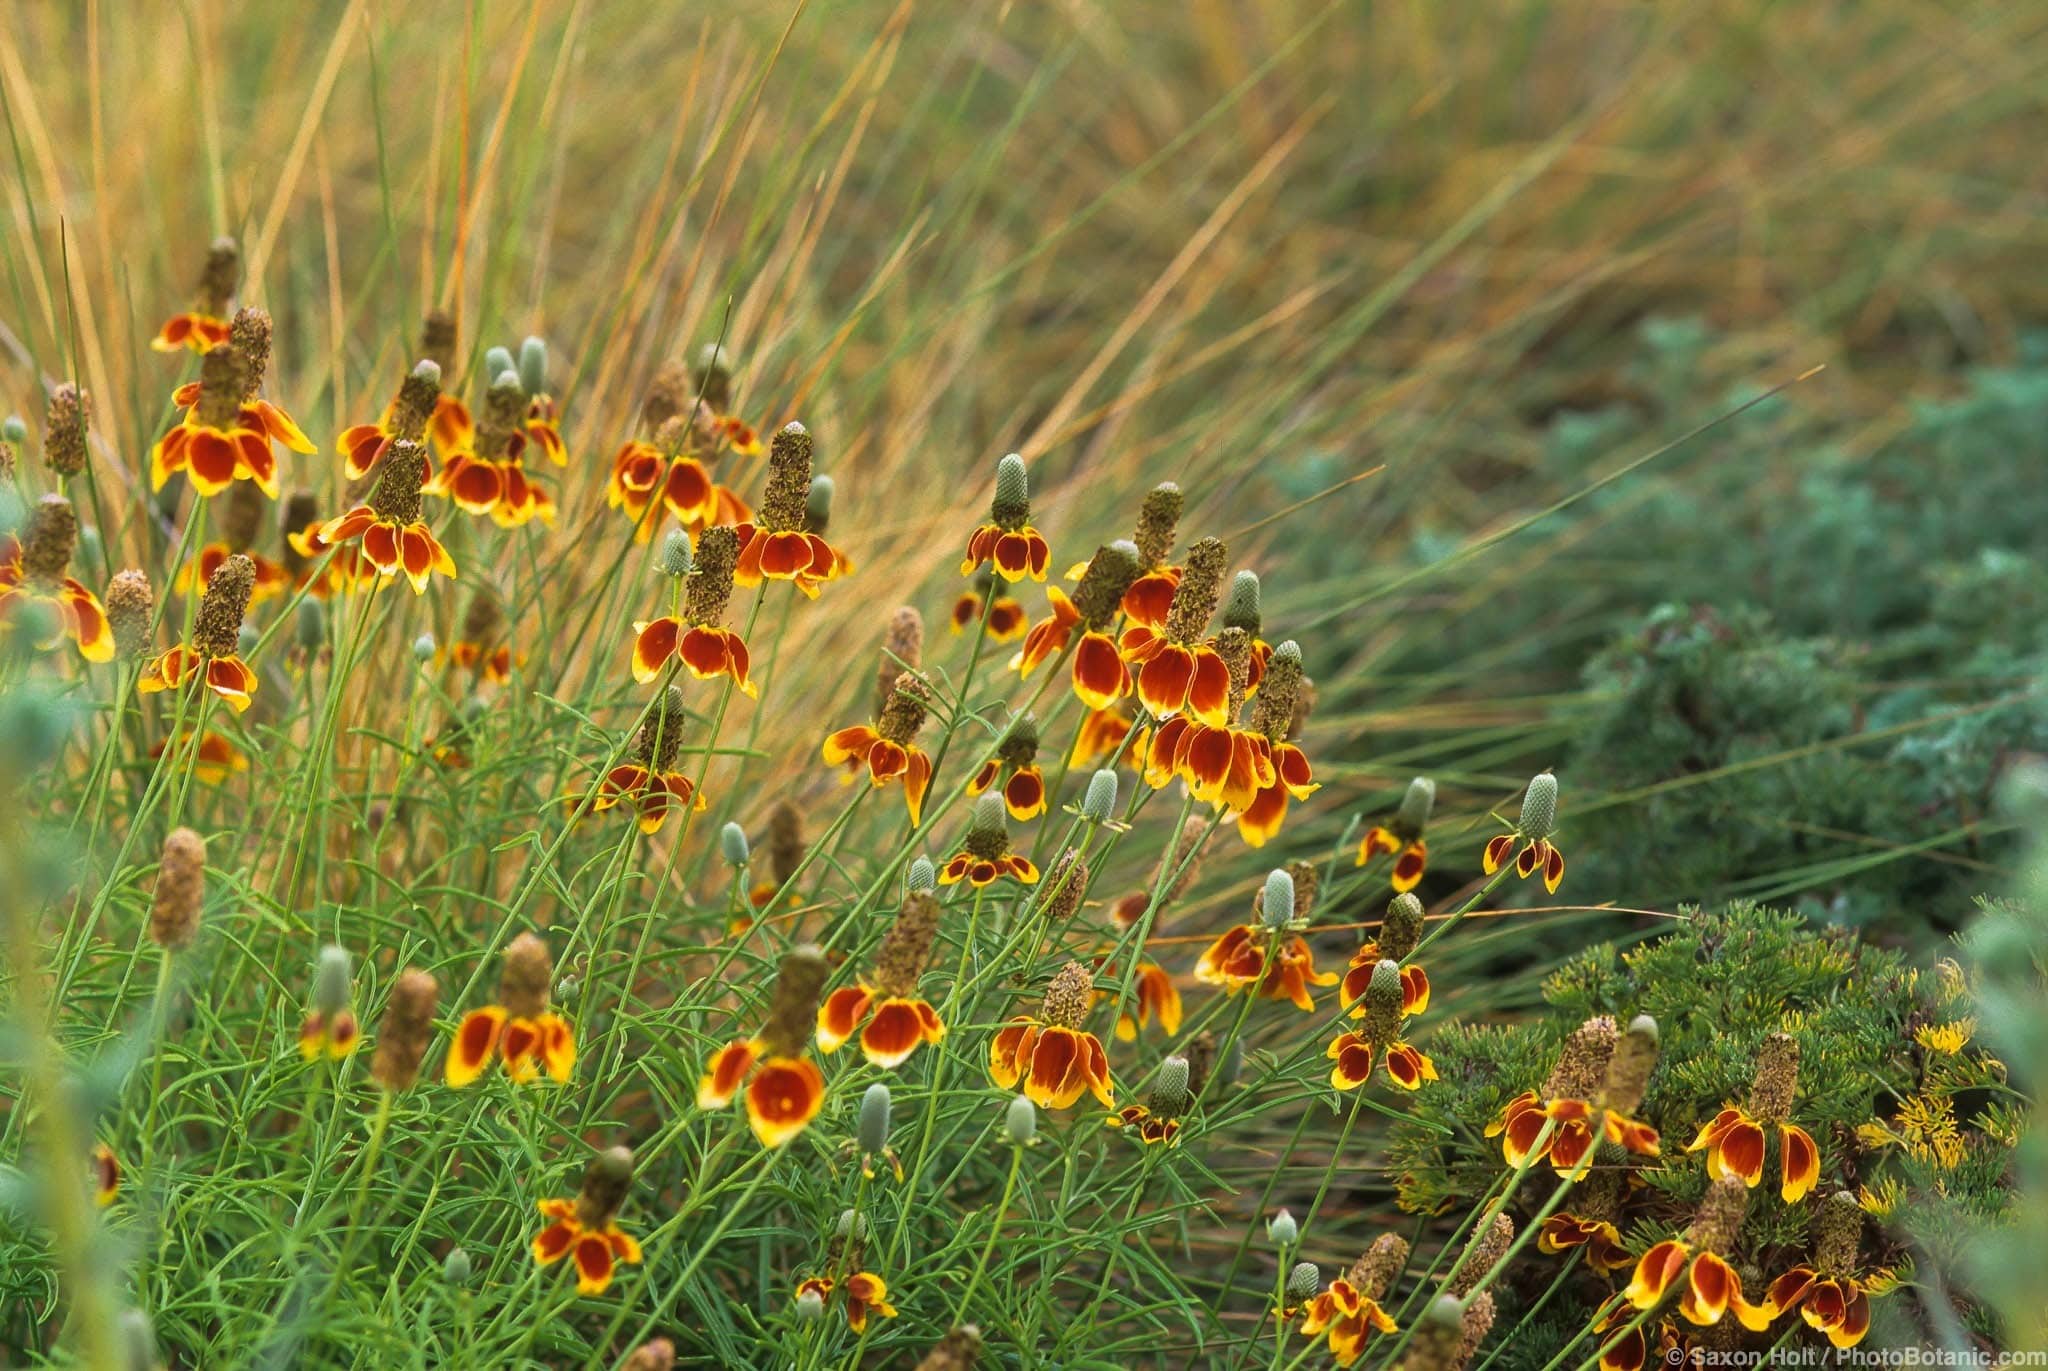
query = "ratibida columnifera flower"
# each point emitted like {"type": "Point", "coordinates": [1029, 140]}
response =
{"type": "Point", "coordinates": [180, 891]}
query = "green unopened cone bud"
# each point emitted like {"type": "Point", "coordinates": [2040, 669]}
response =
{"type": "Point", "coordinates": [1402, 928]}
{"type": "Point", "coordinates": [988, 816]}
{"type": "Point", "coordinates": [1304, 1281]}
{"type": "Point", "coordinates": [1020, 1121]}
{"type": "Point", "coordinates": [1170, 1095]}
{"type": "Point", "coordinates": [1282, 1231]}
{"type": "Point", "coordinates": [732, 844]}
{"type": "Point", "coordinates": [423, 648]}
{"type": "Point", "coordinates": [1539, 807]}
{"type": "Point", "coordinates": [533, 366]}
{"type": "Point", "coordinates": [1276, 901]}
{"type": "Point", "coordinates": [874, 1118]}
{"type": "Point", "coordinates": [1012, 505]}
{"type": "Point", "coordinates": [498, 364]}
{"type": "Point", "coordinates": [331, 977]}
{"type": "Point", "coordinates": [427, 370]}
{"type": "Point", "coordinates": [310, 625]}
{"type": "Point", "coordinates": [1241, 609]}
{"type": "Point", "coordinates": [1416, 805]}
{"type": "Point", "coordinates": [921, 876]}
{"type": "Point", "coordinates": [852, 1224]}
{"type": "Point", "coordinates": [138, 1342]}
{"type": "Point", "coordinates": [810, 1306]}
{"type": "Point", "coordinates": [818, 505]}
{"type": "Point", "coordinates": [13, 430]}
{"type": "Point", "coordinates": [1099, 804]}
{"type": "Point", "coordinates": [455, 1267]}
{"type": "Point", "coordinates": [676, 556]}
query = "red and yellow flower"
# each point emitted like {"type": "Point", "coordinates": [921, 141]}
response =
{"type": "Point", "coordinates": [697, 639]}
{"type": "Point", "coordinates": [1735, 1142]}
{"type": "Point", "coordinates": [893, 1020]}
{"type": "Point", "coordinates": [784, 1089]}
{"type": "Point", "coordinates": [363, 446]}
{"type": "Point", "coordinates": [1711, 1287]}
{"type": "Point", "coordinates": [1358, 977]}
{"type": "Point", "coordinates": [1015, 763]}
{"type": "Point", "coordinates": [1275, 966]}
{"type": "Point", "coordinates": [1598, 1238]}
{"type": "Point", "coordinates": [866, 1293]}
{"type": "Point", "coordinates": [1151, 1129]}
{"type": "Point", "coordinates": [334, 1035]}
{"type": "Point", "coordinates": [483, 464]}
{"type": "Point", "coordinates": [889, 748]}
{"type": "Point", "coordinates": [985, 856]}
{"type": "Point", "coordinates": [1099, 674]}
{"type": "Point", "coordinates": [37, 572]}
{"type": "Point", "coordinates": [1838, 1307]}
{"type": "Point", "coordinates": [106, 1175]}
{"type": "Point", "coordinates": [781, 546]}
{"type": "Point", "coordinates": [213, 657]}
{"type": "Point", "coordinates": [390, 543]}
{"type": "Point", "coordinates": [1052, 1055]}
{"type": "Point", "coordinates": [271, 578]}
{"type": "Point", "coordinates": [214, 760]}
{"type": "Point", "coordinates": [1006, 618]}
{"type": "Point", "coordinates": [1178, 670]}
{"type": "Point", "coordinates": [225, 433]}
{"type": "Point", "coordinates": [1347, 1316]}
{"type": "Point", "coordinates": [586, 1229]}
{"type": "Point", "coordinates": [201, 332]}
{"type": "Point", "coordinates": [1532, 832]}
{"type": "Point", "coordinates": [1157, 998]}
{"type": "Point", "coordinates": [520, 1031]}
{"type": "Point", "coordinates": [1354, 1054]}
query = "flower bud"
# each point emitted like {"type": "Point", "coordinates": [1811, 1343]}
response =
{"type": "Point", "coordinates": [498, 364]}
{"type": "Point", "coordinates": [1281, 1230]}
{"type": "Point", "coordinates": [309, 625]}
{"type": "Point", "coordinates": [1416, 805]}
{"type": "Point", "coordinates": [851, 1224]}
{"type": "Point", "coordinates": [676, 554]}
{"type": "Point", "coordinates": [810, 1306]}
{"type": "Point", "coordinates": [455, 1267]}
{"type": "Point", "coordinates": [427, 370]}
{"type": "Point", "coordinates": [818, 505]}
{"type": "Point", "coordinates": [1170, 1095]}
{"type": "Point", "coordinates": [1304, 1281]}
{"type": "Point", "coordinates": [13, 430]}
{"type": "Point", "coordinates": [920, 876]}
{"type": "Point", "coordinates": [533, 366]}
{"type": "Point", "coordinates": [1539, 807]}
{"type": "Point", "coordinates": [1099, 804]}
{"type": "Point", "coordinates": [1241, 607]}
{"type": "Point", "coordinates": [1020, 1121]}
{"type": "Point", "coordinates": [423, 648]}
{"type": "Point", "coordinates": [1276, 901]}
{"type": "Point", "coordinates": [138, 1342]}
{"type": "Point", "coordinates": [1401, 930]}
{"type": "Point", "coordinates": [873, 1132]}
{"type": "Point", "coordinates": [1012, 503]}
{"type": "Point", "coordinates": [331, 977]}
{"type": "Point", "coordinates": [732, 844]}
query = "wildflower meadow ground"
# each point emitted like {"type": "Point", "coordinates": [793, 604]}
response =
{"type": "Point", "coordinates": [782, 689]}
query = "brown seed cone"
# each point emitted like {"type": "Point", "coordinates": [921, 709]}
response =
{"type": "Point", "coordinates": [1482, 1253]}
{"type": "Point", "coordinates": [907, 946]}
{"type": "Point", "coordinates": [1201, 586]}
{"type": "Point", "coordinates": [658, 1355]}
{"type": "Point", "coordinates": [957, 1351]}
{"type": "Point", "coordinates": [1277, 707]}
{"type": "Point", "coordinates": [1582, 1062]}
{"type": "Point", "coordinates": [668, 396]}
{"type": "Point", "coordinates": [904, 715]}
{"type": "Point", "coordinates": [8, 459]}
{"type": "Point", "coordinates": [902, 650]}
{"type": "Point", "coordinates": [396, 496]}
{"type": "Point", "coordinates": [1307, 883]}
{"type": "Point", "coordinates": [1384, 995]}
{"type": "Point", "coordinates": [1598, 1197]}
{"type": "Point", "coordinates": [606, 1182]}
{"type": "Point", "coordinates": [301, 511]}
{"type": "Point", "coordinates": [1374, 1273]}
{"type": "Point", "coordinates": [180, 891]}
{"type": "Point", "coordinates": [660, 735]}
{"type": "Point", "coordinates": [1201, 1054]}
{"type": "Point", "coordinates": [793, 1010]}
{"type": "Point", "coordinates": [220, 387]}
{"type": "Point", "coordinates": [1099, 594]}
{"type": "Point", "coordinates": [1158, 521]}
{"type": "Point", "coordinates": [1401, 929]}
{"type": "Point", "coordinates": [709, 588]}
{"type": "Point", "coordinates": [789, 479]}
{"type": "Point", "coordinates": [1477, 1323]}
{"type": "Point", "coordinates": [1019, 746]}
{"type": "Point", "coordinates": [1069, 997]}
{"type": "Point", "coordinates": [220, 277]}
{"type": "Point", "coordinates": [217, 631]}
{"type": "Point", "coordinates": [785, 841]}
{"type": "Point", "coordinates": [408, 1028]}
{"type": "Point", "coordinates": [1719, 1217]}
{"type": "Point", "coordinates": [526, 974]}
{"type": "Point", "coordinates": [1628, 1070]}
{"type": "Point", "coordinates": [482, 620]}
{"type": "Point", "coordinates": [67, 417]}
{"type": "Point", "coordinates": [1234, 646]}
{"type": "Point", "coordinates": [1838, 1236]}
{"type": "Point", "coordinates": [437, 340]}
{"type": "Point", "coordinates": [504, 414]}
{"type": "Point", "coordinates": [249, 336]}
{"type": "Point", "coordinates": [417, 396]}
{"type": "Point", "coordinates": [1065, 886]}
{"type": "Point", "coordinates": [1777, 1079]}
{"type": "Point", "coordinates": [131, 610]}
{"type": "Point", "coordinates": [51, 538]}
{"type": "Point", "coordinates": [242, 506]}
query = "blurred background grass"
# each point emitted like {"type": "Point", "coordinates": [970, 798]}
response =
{"type": "Point", "coordinates": [1393, 290]}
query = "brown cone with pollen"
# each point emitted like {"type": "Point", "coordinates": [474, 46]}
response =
{"type": "Point", "coordinates": [396, 498]}
{"type": "Point", "coordinates": [660, 735]}
{"type": "Point", "coordinates": [1582, 1062]}
{"type": "Point", "coordinates": [1068, 998]}
{"type": "Point", "coordinates": [67, 417]}
{"type": "Point", "coordinates": [1777, 1079]}
{"type": "Point", "coordinates": [408, 1028]}
{"type": "Point", "coordinates": [606, 1182]}
{"type": "Point", "coordinates": [793, 1011]}
{"type": "Point", "coordinates": [437, 339]}
{"type": "Point", "coordinates": [1280, 700]}
{"type": "Point", "coordinates": [180, 891]}
{"type": "Point", "coordinates": [668, 395]}
{"type": "Point", "coordinates": [1482, 1254]}
{"type": "Point", "coordinates": [1064, 885]}
{"type": "Point", "coordinates": [1374, 1273]}
{"type": "Point", "coordinates": [51, 538]}
{"type": "Point", "coordinates": [1100, 592]}
{"type": "Point", "coordinates": [907, 946]}
{"type": "Point", "coordinates": [785, 843]}
{"type": "Point", "coordinates": [709, 588]}
{"type": "Point", "coordinates": [658, 1355]}
{"type": "Point", "coordinates": [504, 414]}
{"type": "Point", "coordinates": [242, 507]}
{"type": "Point", "coordinates": [525, 977]}
{"type": "Point", "coordinates": [217, 631]}
{"type": "Point", "coordinates": [417, 395]}
{"type": "Point", "coordinates": [249, 336]}
{"type": "Point", "coordinates": [220, 387]}
{"type": "Point", "coordinates": [1719, 1217]}
{"type": "Point", "coordinates": [1158, 522]}
{"type": "Point", "coordinates": [904, 715]}
{"type": "Point", "coordinates": [902, 650]}
{"type": "Point", "coordinates": [1838, 1236]}
{"type": "Point", "coordinates": [1201, 586]}
{"type": "Point", "coordinates": [1401, 930]}
{"type": "Point", "coordinates": [131, 611]}
{"type": "Point", "coordinates": [220, 276]}
{"type": "Point", "coordinates": [789, 479]}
